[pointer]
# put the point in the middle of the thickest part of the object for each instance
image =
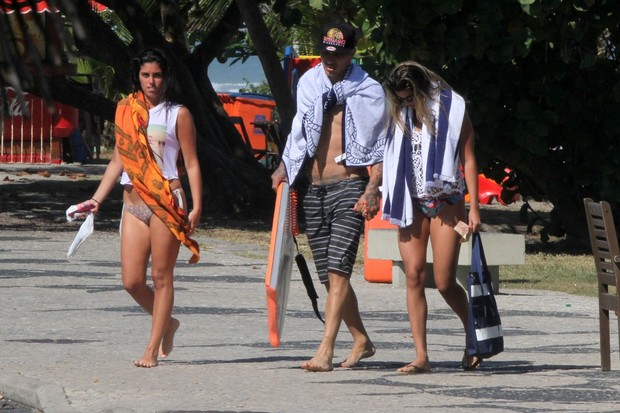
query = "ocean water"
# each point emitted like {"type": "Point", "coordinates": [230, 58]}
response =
{"type": "Point", "coordinates": [227, 77]}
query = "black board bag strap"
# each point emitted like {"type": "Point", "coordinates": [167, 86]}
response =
{"type": "Point", "coordinates": [307, 279]}
{"type": "Point", "coordinates": [299, 258]}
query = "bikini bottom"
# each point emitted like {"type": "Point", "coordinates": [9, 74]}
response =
{"type": "Point", "coordinates": [432, 206]}
{"type": "Point", "coordinates": [144, 213]}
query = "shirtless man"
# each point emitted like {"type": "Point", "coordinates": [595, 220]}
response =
{"type": "Point", "coordinates": [330, 172]}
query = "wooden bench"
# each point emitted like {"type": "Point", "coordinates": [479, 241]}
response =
{"type": "Point", "coordinates": [499, 249]}
{"type": "Point", "coordinates": [606, 252]}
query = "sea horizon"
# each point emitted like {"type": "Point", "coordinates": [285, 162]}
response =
{"type": "Point", "coordinates": [230, 78]}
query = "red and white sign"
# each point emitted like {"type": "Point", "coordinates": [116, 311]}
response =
{"type": "Point", "coordinates": [41, 6]}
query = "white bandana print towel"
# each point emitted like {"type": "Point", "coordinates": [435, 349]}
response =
{"type": "Point", "coordinates": [364, 118]}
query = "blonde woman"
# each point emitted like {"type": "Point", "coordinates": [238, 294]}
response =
{"type": "Point", "coordinates": [430, 138]}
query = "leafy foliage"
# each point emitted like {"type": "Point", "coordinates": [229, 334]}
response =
{"type": "Point", "coordinates": [541, 79]}
{"type": "Point", "coordinates": [540, 76]}
{"type": "Point", "coordinates": [260, 88]}
{"type": "Point", "coordinates": [293, 22]}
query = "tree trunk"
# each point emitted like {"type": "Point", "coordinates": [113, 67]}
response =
{"type": "Point", "coordinates": [269, 60]}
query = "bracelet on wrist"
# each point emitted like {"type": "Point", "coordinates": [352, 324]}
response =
{"type": "Point", "coordinates": [98, 203]}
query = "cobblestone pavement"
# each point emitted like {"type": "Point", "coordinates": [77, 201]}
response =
{"type": "Point", "coordinates": [68, 334]}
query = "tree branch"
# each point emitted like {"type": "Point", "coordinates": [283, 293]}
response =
{"type": "Point", "coordinates": [266, 49]}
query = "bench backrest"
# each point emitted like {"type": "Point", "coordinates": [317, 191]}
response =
{"type": "Point", "coordinates": [604, 242]}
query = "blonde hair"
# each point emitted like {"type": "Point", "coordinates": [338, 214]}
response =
{"type": "Point", "coordinates": [424, 84]}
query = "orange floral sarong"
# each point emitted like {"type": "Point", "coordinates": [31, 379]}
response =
{"type": "Point", "coordinates": [131, 121]}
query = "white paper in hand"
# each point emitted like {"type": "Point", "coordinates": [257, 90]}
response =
{"type": "Point", "coordinates": [85, 231]}
{"type": "Point", "coordinates": [78, 211]}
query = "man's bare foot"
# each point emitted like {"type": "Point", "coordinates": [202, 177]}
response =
{"type": "Point", "coordinates": [322, 360]}
{"type": "Point", "coordinates": [320, 366]}
{"type": "Point", "coordinates": [146, 363]}
{"type": "Point", "coordinates": [167, 342]}
{"type": "Point", "coordinates": [357, 354]}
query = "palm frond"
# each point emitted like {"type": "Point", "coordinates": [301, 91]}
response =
{"type": "Point", "coordinates": [202, 15]}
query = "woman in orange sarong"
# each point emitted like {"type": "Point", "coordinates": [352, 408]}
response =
{"type": "Point", "coordinates": [151, 132]}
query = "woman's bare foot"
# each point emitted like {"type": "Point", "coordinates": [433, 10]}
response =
{"type": "Point", "coordinates": [358, 353]}
{"type": "Point", "coordinates": [470, 362]}
{"type": "Point", "coordinates": [417, 366]}
{"type": "Point", "coordinates": [415, 369]}
{"type": "Point", "coordinates": [167, 342]}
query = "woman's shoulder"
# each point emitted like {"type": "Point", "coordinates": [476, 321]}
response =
{"type": "Point", "coordinates": [184, 115]}
{"type": "Point", "coordinates": [183, 111]}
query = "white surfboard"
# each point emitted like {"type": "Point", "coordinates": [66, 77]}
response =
{"type": "Point", "coordinates": [279, 264]}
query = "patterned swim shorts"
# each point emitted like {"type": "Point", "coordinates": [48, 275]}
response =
{"type": "Point", "coordinates": [332, 226]}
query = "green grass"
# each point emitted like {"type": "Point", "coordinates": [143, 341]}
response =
{"type": "Point", "coordinates": [574, 274]}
